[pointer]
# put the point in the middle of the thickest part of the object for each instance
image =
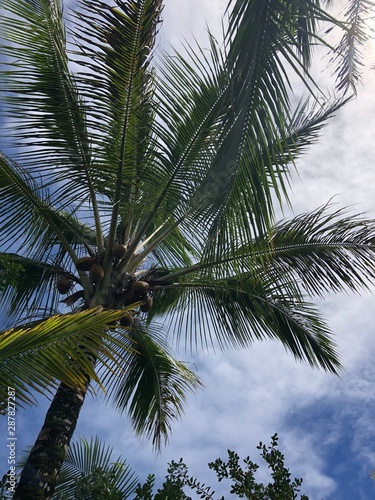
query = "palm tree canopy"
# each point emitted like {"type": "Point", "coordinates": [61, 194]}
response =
{"type": "Point", "coordinates": [153, 188]}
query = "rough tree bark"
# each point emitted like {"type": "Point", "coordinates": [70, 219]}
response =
{"type": "Point", "coordinates": [38, 478]}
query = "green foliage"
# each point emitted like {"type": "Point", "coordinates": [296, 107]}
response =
{"type": "Point", "coordinates": [242, 477]}
{"type": "Point", "coordinates": [10, 272]}
{"type": "Point", "coordinates": [243, 481]}
{"type": "Point", "coordinates": [171, 488]}
{"type": "Point", "coordinates": [91, 472]}
{"type": "Point", "coordinates": [19, 346]}
{"type": "Point", "coordinates": [95, 486]}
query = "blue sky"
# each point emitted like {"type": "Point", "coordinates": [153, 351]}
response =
{"type": "Point", "coordinates": [325, 423]}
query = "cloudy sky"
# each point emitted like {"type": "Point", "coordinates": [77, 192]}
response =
{"type": "Point", "coordinates": [325, 423]}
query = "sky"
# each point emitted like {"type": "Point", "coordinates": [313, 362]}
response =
{"type": "Point", "coordinates": [325, 422]}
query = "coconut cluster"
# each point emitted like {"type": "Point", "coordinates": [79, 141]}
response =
{"type": "Point", "coordinates": [128, 289]}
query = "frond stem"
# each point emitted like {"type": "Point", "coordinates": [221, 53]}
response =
{"type": "Point", "coordinates": [120, 168]}
{"type": "Point", "coordinates": [159, 201]}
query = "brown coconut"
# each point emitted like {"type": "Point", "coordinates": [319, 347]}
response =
{"type": "Point", "coordinates": [118, 251]}
{"type": "Point", "coordinates": [85, 263]}
{"type": "Point", "coordinates": [140, 286]}
{"type": "Point", "coordinates": [63, 285]}
{"type": "Point", "coordinates": [147, 304]}
{"type": "Point", "coordinates": [96, 273]}
{"type": "Point", "coordinates": [127, 320]}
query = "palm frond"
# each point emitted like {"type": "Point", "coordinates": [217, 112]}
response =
{"type": "Point", "coordinates": [174, 250]}
{"type": "Point", "coordinates": [93, 460]}
{"type": "Point", "coordinates": [152, 387]}
{"type": "Point", "coordinates": [254, 147]}
{"type": "Point", "coordinates": [228, 133]}
{"type": "Point", "coordinates": [298, 132]}
{"type": "Point", "coordinates": [258, 291]}
{"type": "Point", "coordinates": [302, 131]}
{"type": "Point", "coordinates": [35, 357]}
{"type": "Point", "coordinates": [324, 251]}
{"type": "Point", "coordinates": [347, 58]}
{"type": "Point", "coordinates": [27, 210]}
{"type": "Point", "coordinates": [32, 284]}
{"type": "Point", "coordinates": [54, 119]}
{"type": "Point", "coordinates": [34, 229]}
{"type": "Point", "coordinates": [298, 22]}
{"type": "Point", "coordinates": [239, 310]}
{"type": "Point", "coordinates": [114, 46]}
{"type": "Point", "coordinates": [315, 253]}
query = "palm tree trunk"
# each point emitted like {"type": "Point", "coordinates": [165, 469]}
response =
{"type": "Point", "coordinates": [38, 478]}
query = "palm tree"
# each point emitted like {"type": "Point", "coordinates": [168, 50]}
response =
{"type": "Point", "coordinates": [140, 194]}
{"type": "Point", "coordinates": [91, 471]}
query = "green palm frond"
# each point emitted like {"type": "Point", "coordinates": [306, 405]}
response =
{"type": "Point", "coordinates": [258, 108]}
{"type": "Point", "coordinates": [91, 464]}
{"type": "Point", "coordinates": [260, 287]}
{"type": "Point", "coordinates": [27, 209]}
{"type": "Point", "coordinates": [324, 251]}
{"type": "Point", "coordinates": [175, 250]}
{"type": "Point", "coordinates": [33, 284]}
{"type": "Point", "coordinates": [308, 121]}
{"type": "Point", "coordinates": [298, 22]}
{"type": "Point", "coordinates": [303, 130]}
{"type": "Point", "coordinates": [318, 251]}
{"type": "Point", "coordinates": [115, 45]}
{"type": "Point", "coordinates": [36, 356]}
{"type": "Point", "coordinates": [255, 146]}
{"type": "Point", "coordinates": [236, 311]}
{"type": "Point", "coordinates": [228, 136]}
{"type": "Point", "coordinates": [53, 124]}
{"type": "Point", "coordinates": [347, 58]}
{"type": "Point", "coordinates": [299, 132]}
{"type": "Point", "coordinates": [153, 385]}
{"type": "Point", "coordinates": [47, 237]}
{"type": "Point", "coordinates": [54, 118]}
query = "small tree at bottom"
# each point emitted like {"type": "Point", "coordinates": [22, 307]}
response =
{"type": "Point", "coordinates": [242, 477]}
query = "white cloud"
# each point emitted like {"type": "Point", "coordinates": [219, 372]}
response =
{"type": "Point", "coordinates": [182, 19]}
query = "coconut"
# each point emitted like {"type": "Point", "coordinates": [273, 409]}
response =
{"type": "Point", "coordinates": [63, 285]}
{"type": "Point", "coordinates": [140, 286]}
{"type": "Point", "coordinates": [127, 320]}
{"type": "Point", "coordinates": [84, 263]}
{"type": "Point", "coordinates": [147, 304]}
{"type": "Point", "coordinates": [119, 251]}
{"type": "Point", "coordinates": [96, 273]}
